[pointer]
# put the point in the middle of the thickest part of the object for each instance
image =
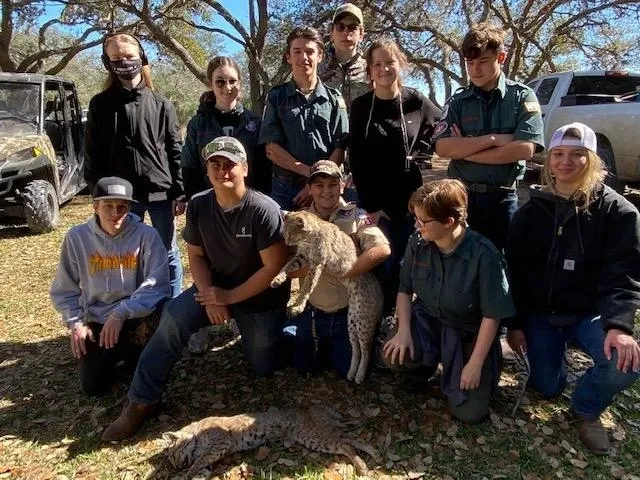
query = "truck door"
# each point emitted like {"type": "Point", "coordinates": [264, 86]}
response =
{"type": "Point", "coordinates": [544, 92]}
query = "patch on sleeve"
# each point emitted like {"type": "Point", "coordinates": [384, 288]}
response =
{"type": "Point", "coordinates": [441, 127]}
{"type": "Point", "coordinates": [341, 103]}
{"type": "Point", "coordinates": [532, 107]}
{"type": "Point", "coordinates": [365, 218]}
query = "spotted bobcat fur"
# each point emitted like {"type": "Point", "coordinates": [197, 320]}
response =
{"type": "Point", "coordinates": [322, 245]}
{"type": "Point", "coordinates": [202, 443]}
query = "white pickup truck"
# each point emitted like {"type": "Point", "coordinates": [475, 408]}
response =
{"type": "Point", "coordinates": [608, 102]}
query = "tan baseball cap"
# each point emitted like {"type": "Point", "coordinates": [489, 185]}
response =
{"type": "Point", "coordinates": [324, 167]}
{"type": "Point", "coordinates": [349, 8]}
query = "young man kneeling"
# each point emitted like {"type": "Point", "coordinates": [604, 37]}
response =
{"type": "Point", "coordinates": [321, 338]}
{"type": "Point", "coordinates": [111, 282]}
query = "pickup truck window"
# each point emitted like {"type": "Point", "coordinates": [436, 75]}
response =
{"type": "Point", "coordinates": [589, 85]}
{"type": "Point", "coordinates": [545, 90]}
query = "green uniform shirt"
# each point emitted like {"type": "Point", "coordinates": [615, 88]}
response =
{"type": "Point", "coordinates": [459, 288]}
{"type": "Point", "coordinates": [350, 78]}
{"type": "Point", "coordinates": [309, 129]}
{"type": "Point", "coordinates": [511, 107]}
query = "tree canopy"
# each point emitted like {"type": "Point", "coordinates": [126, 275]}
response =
{"type": "Point", "coordinates": [543, 36]}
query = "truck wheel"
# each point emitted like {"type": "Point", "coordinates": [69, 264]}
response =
{"type": "Point", "coordinates": [605, 153]}
{"type": "Point", "coordinates": [41, 209]}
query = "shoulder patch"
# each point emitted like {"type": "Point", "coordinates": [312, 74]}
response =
{"type": "Point", "coordinates": [251, 126]}
{"type": "Point", "coordinates": [441, 127]}
{"type": "Point", "coordinates": [364, 217]}
{"type": "Point", "coordinates": [532, 107]}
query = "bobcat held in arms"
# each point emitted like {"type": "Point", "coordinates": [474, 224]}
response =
{"type": "Point", "coordinates": [323, 246]}
{"type": "Point", "coordinates": [206, 441]}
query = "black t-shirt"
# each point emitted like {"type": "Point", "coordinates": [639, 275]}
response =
{"type": "Point", "coordinates": [232, 241]}
{"type": "Point", "coordinates": [228, 120]}
{"type": "Point", "coordinates": [377, 153]}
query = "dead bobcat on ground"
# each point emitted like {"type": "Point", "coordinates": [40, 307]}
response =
{"type": "Point", "coordinates": [202, 443]}
{"type": "Point", "coordinates": [322, 245]}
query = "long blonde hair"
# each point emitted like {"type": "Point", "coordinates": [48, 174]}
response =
{"type": "Point", "coordinates": [593, 174]}
{"type": "Point", "coordinates": [146, 69]}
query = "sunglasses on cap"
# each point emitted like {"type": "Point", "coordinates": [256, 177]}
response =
{"type": "Point", "coordinates": [341, 27]}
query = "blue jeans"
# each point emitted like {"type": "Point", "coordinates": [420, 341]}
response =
{"type": "Point", "coordinates": [397, 232]}
{"type": "Point", "coordinates": [332, 349]}
{"type": "Point", "coordinates": [284, 192]}
{"type": "Point", "coordinates": [261, 338]}
{"type": "Point", "coordinates": [490, 214]}
{"type": "Point", "coordinates": [162, 219]}
{"type": "Point", "coordinates": [546, 346]}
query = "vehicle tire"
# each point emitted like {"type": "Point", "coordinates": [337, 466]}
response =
{"type": "Point", "coordinates": [41, 209]}
{"type": "Point", "coordinates": [606, 154]}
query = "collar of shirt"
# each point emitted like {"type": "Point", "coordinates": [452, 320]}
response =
{"type": "Point", "coordinates": [463, 250]}
{"type": "Point", "coordinates": [342, 206]}
{"type": "Point", "coordinates": [501, 87]}
{"type": "Point", "coordinates": [320, 90]}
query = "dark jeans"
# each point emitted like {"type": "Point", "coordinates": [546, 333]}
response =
{"type": "Point", "coordinates": [162, 219]}
{"type": "Point", "coordinates": [397, 232]}
{"type": "Point", "coordinates": [98, 367]}
{"type": "Point", "coordinates": [328, 347]}
{"type": "Point", "coordinates": [490, 214]}
{"type": "Point", "coordinates": [284, 192]}
{"type": "Point", "coordinates": [546, 347]}
{"type": "Point", "coordinates": [261, 341]}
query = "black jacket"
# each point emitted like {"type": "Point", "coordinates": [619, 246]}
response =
{"type": "Point", "coordinates": [377, 155]}
{"type": "Point", "coordinates": [569, 262]}
{"type": "Point", "coordinates": [204, 127]}
{"type": "Point", "coordinates": [134, 134]}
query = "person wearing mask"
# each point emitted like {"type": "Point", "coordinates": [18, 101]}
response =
{"type": "Point", "coordinates": [390, 127]}
{"type": "Point", "coordinates": [304, 121]}
{"type": "Point", "coordinates": [110, 285]}
{"type": "Point", "coordinates": [489, 129]}
{"type": "Point", "coordinates": [132, 132]}
{"type": "Point", "coordinates": [574, 260]}
{"type": "Point", "coordinates": [222, 114]}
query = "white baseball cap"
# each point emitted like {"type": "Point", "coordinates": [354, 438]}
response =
{"type": "Point", "coordinates": [587, 138]}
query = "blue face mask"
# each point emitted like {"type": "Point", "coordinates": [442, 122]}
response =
{"type": "Point", "coordinates": [126, 69]}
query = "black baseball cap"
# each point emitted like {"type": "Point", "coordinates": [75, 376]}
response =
{"type": "Point", "coordinates": [113, 188]}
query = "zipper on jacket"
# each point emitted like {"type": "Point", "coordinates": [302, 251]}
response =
{"type": "Point", "coordinates": [555, 250]}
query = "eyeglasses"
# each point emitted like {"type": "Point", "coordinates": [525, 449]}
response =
{"type": "Point", "coordinates": [341, 27]}
{"type": "Point", "coordinates": [423, 223]}
{"type": "Point", "coordinates": [221, 82]}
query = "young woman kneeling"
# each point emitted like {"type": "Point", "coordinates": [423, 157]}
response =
{"type": "Point", "coordinates": [574, 258]}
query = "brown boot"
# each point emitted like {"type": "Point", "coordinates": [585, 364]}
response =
{"type": "Point", "coordinates": [593, 435]}
{"type": "Point", "coordinates": [129, 421]}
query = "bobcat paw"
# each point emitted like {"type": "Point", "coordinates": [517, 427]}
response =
{"type": "Point", "coordinates": [294, 310]}
{"type": "Point", "coordinates": [351, 375]}
{"type": "Point", "coordinates": [360, 378]}
{"type": "Point", "coordinates": [278, 280]}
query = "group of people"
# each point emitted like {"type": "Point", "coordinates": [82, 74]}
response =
{"type": "Point", "coordinates": [455, 258]}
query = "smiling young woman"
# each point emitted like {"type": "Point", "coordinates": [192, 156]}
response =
{"type": "Point", "coordinates": [574, 257]}
{"type": "Point", "coordinates": [221, 113]}
{"type": "Point", "coordinates": [390, 126]}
